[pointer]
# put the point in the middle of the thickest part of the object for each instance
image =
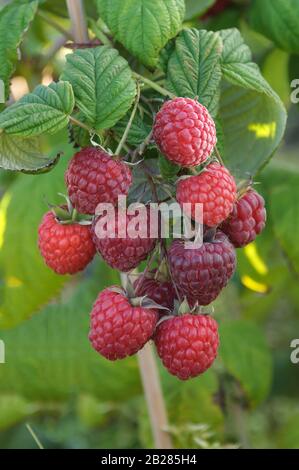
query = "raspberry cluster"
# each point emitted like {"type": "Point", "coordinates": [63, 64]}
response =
{"type": "Point", "coordinates": [164, 303]}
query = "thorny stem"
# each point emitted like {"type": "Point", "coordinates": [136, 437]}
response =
{"type": "Point", "coordinates": [218, 155]}
{"type": "Point", "coordinates": [77, 15]}
{"type": "Point", "coordinates": [127, 130]}
{"type": "Point", "coordinates": [35, 438]}
{"type": "Point", "coordinates": [145, 272]}
{"type": "Point", "coordinates": [162, 241]}
{"type": "Point", "coordinates": [153, 85]}
{"type": "Point", "coordinates": [142, 147]}
{"type": "Point", "coordinates": [100, 33]}
{"type": "Point", "coordinates": [55, 25]}
{"type": "Point", "coordinates": [81, 124]}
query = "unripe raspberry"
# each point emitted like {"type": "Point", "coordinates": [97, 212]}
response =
{"type": "Point", "coordinates": [119, 329]}
{"type": "Point", "coordinates": [67, 249]}
{"type": "Point", "coordinates": [187, 344]}
{"type": "Point", "coordinates": [93, 176]}
{"type": "Point", "coordinates": [247, 220]}
{"type": "Point", "coordinates": [185, 132]}
{"type": "Point", "coordinates": [214, 188]}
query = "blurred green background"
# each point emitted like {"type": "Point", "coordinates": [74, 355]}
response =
{"type": "Point", "coordinates": [73, 398]}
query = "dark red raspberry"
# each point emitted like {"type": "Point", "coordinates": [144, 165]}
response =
{"type": "Point", "coordinates": [93, 176]}
{"type": "Point", "coordinates": [185, 132]}
{"type": "Point", "coordinates": [119, 248]}
{"type": "Point", "coordinates": [187, 344]}
{"type": "Point", "coordinates": [201, 273]}
{"type": "Point", "coordinates": [247, 220]}
{"type": "Point", "coordinates": [67, 249]}
{"type": "Point", "coordinates": [162, 292]}
{"type": "Point", "coordinates": [214, 188]}
{"type": "Point", "coordinates": [217, 8]}
{"type": "Point", "coordinates": [117, 328]}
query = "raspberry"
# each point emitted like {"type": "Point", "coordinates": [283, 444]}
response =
{"type": "Point", "coordinates": [201, 273]}
{"type": "Point", "coordinates": [162, 292]}
{"type": "Point", "coordinates": [185, 132]}
{"type": "Point", "coordinates": [187, 344]}
{"type": "Point", "coordinates": [67, 249]}
{"type": "Point", "coordinates": [117, 328]}
{"type": "Point", "coordinates": [93, 176]}
{"type": "Point", "coordinates": [214, 188]}
{"type": "Point", "coordinates": [120, 250]}
{"type": "Point", "coordinates": [219, 7]}
{"type": "Point", "coordinates": [247, 220]}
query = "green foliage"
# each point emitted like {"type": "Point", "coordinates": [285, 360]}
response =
{"type": "Point", "coordinates": [26, 283]}
{"type": "Point", "coordinates": [19, 153]}
{"type": "Point", "coordinates": [13, 409]}
{"type": "Point", "coordinates": [14, 22]}
{"type": "Point", "coordinates": [193, 68]}
{"type": "Point", "coordinates": [140, 128]}
{"type": "Point", "coordinates": [70, 364]}
{"type": "Point", "coordinates": [196, 8]}
{"type": "Point", "coordinates": [252, 115]}
{"type": "Point", "coordinates": [285, 212]}
{"type": "Point", "coordinates": [102, 83]}
{"type": "Point", "coordinates": [277, 20]}
{"type": "Point", "coordinates": [246, 356]}
{"type": "Point", "coordinates": [143, 26]}
{"type": "Point", "coordinates": [45, 110]}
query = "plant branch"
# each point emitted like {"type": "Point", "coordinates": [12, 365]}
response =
{"type": "Point", "coordinates": [153, 85]}
{"type": "Point", "coordinates": [142, 147]}
{"type": "Point", "coordinates": [127, 130]}
{"type": "Point", "coordinates": [153, 394]}
{"type": "Point", "coordinates": [55, 25]}
{"type": "Point", "coordinates": [218, 155]}
{"type": "Point", "coordinates": [77, 15]}
{"type": "Point", "coordinates": [81, 124]}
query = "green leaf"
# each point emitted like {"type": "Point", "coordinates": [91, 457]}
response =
{"type": "Point", "coordinates": [14, 22]}
{"type": "Point", "coordinates": [285, 213]}
{"type": "Point", "coordinates": [252, 114]}
{"type": "Point", "coordinates": [277, 20]}
{"type": "Point", "coordinates": [45, 110]}
{"type": "Point", "coordinates": [13, 409]}
{"type": "Point", "coordinates": [59, 358]}
{"type": "Point", "coordinates": [246, 356]}
{"type": "Point", "coordinates": [140, 128]}
{"type": "Point", "coordinates": [194, 69]}
{"type": "Point", "coordinates": [26, 283]}
{"type": "Point", "coordinates": [143, 26]}
{"type": "Point", "coordinates": [19, 154]}
{"type": "Point", "coordinates": [278, 60]}
{"type": "Point", "coordinates": [103, 85]}
{"type": "Point", "coordinates": [196, 8]}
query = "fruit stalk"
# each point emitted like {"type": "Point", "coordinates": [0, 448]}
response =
{"type": "Point", "coordinates": [153, 394]}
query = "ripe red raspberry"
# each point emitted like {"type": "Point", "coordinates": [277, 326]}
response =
{"type": "Point", "coordinates": [67, 249]}
{"type": "Point", "coordinates": [201, 273]}
{"type": "Point", "coordinates": [185, 132]}
{"type": "Point", "coordinates": [93, 176]}
{"type": "Point", "coordinates": [187, 344]}
{"type": "Point", "coordinates": [117, 328]}
{"type": "Point", "coordinates": [162, 292]}
{"type": "Point", "coordinates": [247, 220]}
{"type": "Point", "coordinates": [119, 248]}
{"type": "Point", "coordinates": [214, 188]}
